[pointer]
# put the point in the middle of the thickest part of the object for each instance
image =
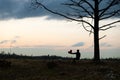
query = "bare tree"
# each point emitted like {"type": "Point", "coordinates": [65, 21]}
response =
{"type": "Point", "coordinates": [96, 10]}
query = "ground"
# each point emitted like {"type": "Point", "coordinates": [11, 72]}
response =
{"type": "Point", "coordinates": [29, 69]}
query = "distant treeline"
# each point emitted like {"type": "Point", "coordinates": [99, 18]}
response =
{"type": "Point", "coordinates": [4, 55]}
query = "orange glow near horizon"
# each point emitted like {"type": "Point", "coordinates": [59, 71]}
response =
{"type": "Point", "coordinates": [41, 32]}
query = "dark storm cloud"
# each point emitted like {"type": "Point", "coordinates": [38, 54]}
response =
{"type": "Point", "coordinates": [14, 9]}
{"type": "Point", "coordinates": [11, 8]}
{"type": "Point", "coordinates": [18, 9]}
{"type": "Point", "coordinates": [22, 9]}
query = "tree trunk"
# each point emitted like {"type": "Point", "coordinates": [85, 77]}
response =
{"type": "Point", "coordinates": [96, 33]}
{"type": "Point", "coordinates": [96, 46]}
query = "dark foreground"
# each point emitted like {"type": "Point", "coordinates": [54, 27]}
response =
{"type": "Point", "coordinates": [27, 69]}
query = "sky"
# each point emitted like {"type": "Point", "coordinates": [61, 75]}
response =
{"type": "Point", "coordinates": [23, 27]}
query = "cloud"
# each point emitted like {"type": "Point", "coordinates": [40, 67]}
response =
{"type": "Point", "coordinates": [104, 44]}
{"type": "Point", "coordinates": [14, 40]}
{"type": "Point", "coordinates": [7, 41]}
{"type": "Point", "coordinates": [18, 9]}
{"type": "Point", "coordinates": [79, 44]}
{"type": "Point", "coordinates": [4, 41]}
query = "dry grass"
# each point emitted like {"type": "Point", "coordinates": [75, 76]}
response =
{"type": "Point", "coordinates": [61, 70]}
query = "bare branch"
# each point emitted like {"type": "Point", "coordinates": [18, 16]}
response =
{"type": "Point", "coordinates": [108, 7]}
{"type": "Point", "coordinates": [104, 26]}
{"type": "Point", "coordinates": [88, 12]}
{"type": "Point", "coordinates": [65, 16]}
{"type": "Point", "coordinates": [89, 4]}
{"type": "Point", "coordinates": [78, 15]}
{"type": "Point", "coordinates": [108, 15]}
{"type": "Point", "coordinates": [102, 37]}
{"type": "Point", "coordinates": [91, 32]}
{"type": "Point", "coordinates": [76, 4]}
{"type": "Point", "coordinates": [77, 11]}
{"type": "Point", "coordinates": [87, 29]}
{"type": "Point", "coordinates": [107, 28]}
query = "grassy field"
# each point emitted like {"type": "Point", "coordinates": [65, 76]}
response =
{"type": "Point", "coordinates": [28, 69]}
